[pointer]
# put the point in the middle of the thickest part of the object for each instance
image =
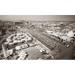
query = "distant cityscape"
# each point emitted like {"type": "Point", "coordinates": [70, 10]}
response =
{"type": "Point", "coordinates": [37, 40]}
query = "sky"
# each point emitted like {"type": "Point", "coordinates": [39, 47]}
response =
{"type": "Point", "coordinates": [38, 17]}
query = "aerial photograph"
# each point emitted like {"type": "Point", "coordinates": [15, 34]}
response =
{"type": "Point", "coordinates": [37, 37]}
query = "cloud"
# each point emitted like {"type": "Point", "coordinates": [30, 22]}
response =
{"type": "Point", "coordinates": [38, 17]}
